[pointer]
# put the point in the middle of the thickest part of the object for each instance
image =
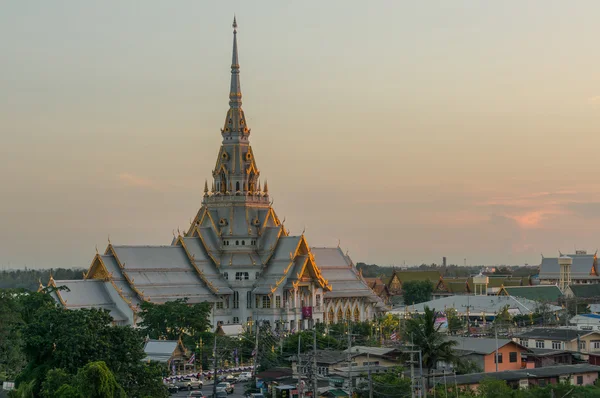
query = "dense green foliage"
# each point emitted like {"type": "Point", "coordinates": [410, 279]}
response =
{"type": "Point", "coordinates": [415, 292]}
{"type": "Point", "coordinates": [29, 278]}
{"type": "Point", "coordinates": [53, 346]}
{"type": "Point", "coordinates": [175, 319]}
{"type": "Point", "coordinates": [492, 388]}
{"type": "Point", "coordinates": [423, 332]}
{"type": "Point", "coordinates": [386, 384]}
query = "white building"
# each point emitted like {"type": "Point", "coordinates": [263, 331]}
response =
{"type": "Point", "coordinates": [236, 254]}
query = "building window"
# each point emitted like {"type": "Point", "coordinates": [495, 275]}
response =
{"type": "Point", "coordinates": [292, 326]}
{"type": "Point", "coordinates": [512, 357]}
{"type": "Point", "coordinates": [356, 315]}
{"type": "Point", "coordinates": [524, 342]}
{"type": "Point", "coordinates": [277, 301]}
{"type": "Point", "coordinates": [579, 380]}
{"type": "Point", "coordinates": [219, 305]}
{"type": "Point", "coordinates": [243, 243]}
{"type": "Point", "coordinates": [249, 299]}
{"type": "Point", "coordinates": [225, 275]}
{"type": "Point", "coordinates": [236, 300]}
{"type": "Point", "coordinates": [582, 345]}
{"type": "Point", "coordinates": [237, 186]}
{"type": "Point", "coordinates": [237, 242]}
{"type": "Point", "coordinates": [266, 301]}
{"type": "Point", "coordinates": [499, 358]}
{"type": "Point", "coordinates": [331, 318]}
{"type": "Point", "coordinates": [539, 344]}
{"type": "Point", "coordinates": [596, 344]}
{"type": "Point", "coordinates": [246, 276]}
{"type": "Point", "coordinates": [318, 300]}
{"type": "Point", "coordinates": [557, 345]}
{"type": "Point", "coordinates": [348, 314]}
{"type": "Point", "coordinates": [236, 319]}
{"type": "Point", "coordinates": [238, 276]}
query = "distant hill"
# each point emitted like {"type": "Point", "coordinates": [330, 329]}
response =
{"type": "Point", "coordinates": [374, 270]}
{"type": "Point", "coordinates": [28, 278]}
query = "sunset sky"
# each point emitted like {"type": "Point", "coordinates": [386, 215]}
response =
{"type": "Point", "coordinates": [407, 130]}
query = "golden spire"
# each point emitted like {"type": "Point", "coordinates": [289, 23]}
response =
{"type": "Point", "coordinates": [213, 187]}
{"type": "Point", "coordinates": [258, 185]}
{"type": "Point", "coordinates": [266, 187]}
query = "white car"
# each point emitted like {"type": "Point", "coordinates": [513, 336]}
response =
{"type": "Point", "coordinates": [225, 387]}
{"type": "Point", "coordinates": [244, 377]}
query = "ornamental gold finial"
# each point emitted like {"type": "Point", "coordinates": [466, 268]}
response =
{"type": "Point", "coordinates": [266, 187]}
{"type": "Point", "coordinates": [109, 240]}
{"type": "Point", "coordinates": [96, 249]}
{"type": "Point", "coordinates": [234, 25]}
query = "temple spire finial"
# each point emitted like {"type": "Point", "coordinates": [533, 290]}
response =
{"type": "Point", "coordinates": [235, 92]}
{"type": "Point", "coordinates": [205, 188]}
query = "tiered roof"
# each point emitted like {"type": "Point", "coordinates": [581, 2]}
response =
{"type": "Point", "coordinates": [584, 266]}
{"type": "Point", "coordinates": [542, 293]}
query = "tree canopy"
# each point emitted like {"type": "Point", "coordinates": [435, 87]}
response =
{"type": "Point", "coordinates": [415, 292]}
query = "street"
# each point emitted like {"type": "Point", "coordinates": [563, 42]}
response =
{"type": "Point", "coordinates": [207, 389]}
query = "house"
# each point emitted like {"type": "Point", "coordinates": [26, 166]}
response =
{"type": "Point", "coordinates": [477, 306]}
{"type": "Point", "coordinates": [164, 351]}
{"type": "Point", "coordinates": [587, 322]}
{"type": "Point", "coordinates": [541, 293]}
{"type": "Point", "coordinates": [395, 282]}
{"type": "Point", "coordinates": [580, 341]}
{"type": "Point", "coordinates": [581, 375]}
{"type": "Point", "coordinates": [379, 287]}
{"type": "Point", "coordinates": [482, 352]}
{"type": "Point", "coordinates": [377, 356]}
{"type": "Point", "coordinates": [542, 357]}
{"type": "Point", "coordinates": [583, 291]}
{"type": "Point", "coordinates": [452, 286]}
{"type": "Point", "coordinates": [326, 361]}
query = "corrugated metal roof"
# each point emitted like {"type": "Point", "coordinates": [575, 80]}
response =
{"type": "Point", "coordinates": [546, 293]}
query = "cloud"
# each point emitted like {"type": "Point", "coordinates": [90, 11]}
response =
{"type": "Point", "coordinates": [594, 100]}
{"type": "Point", "coordinates": [136, 181]}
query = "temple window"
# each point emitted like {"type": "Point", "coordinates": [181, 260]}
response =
{"type": "Point", "coordinates": [243, 243]}
{"type": "Point", "coordinates": [237, 186]}
{"type": "Point", "coordinates": [246, 276]}
{"type": "Point", "coordinates": [318, 300]}
{"type": "Point", "coordinates": [266, 301]}
{"type": "Point", "coordinates": [237, 242]}
{"type": "Point", "coordinates": [219, 305]}
{"type": "Point", "coordinates": [348, 314]}
{"type": "Point", "coordinates": [236, 300]}
{"type": "Point", "coordinates": [356, 315]}
{"type": "Point", "coordinates": [225, 275]}
{"type": "Point", "coordinates": [277, 301]}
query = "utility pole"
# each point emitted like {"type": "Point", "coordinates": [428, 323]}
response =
{"type": "Point", "coordinates": [215, 364]}
{"type": "Point", "coordinates": [349, 360]}
{"type": "Point", "coordinates": [255, 355]}
{"type": "Point", "coordinates": [496, 334]}
{"type": "Point", "coordinates": [299, 361]}
{"type": "Point", "coordinates": [370, 378]}
{"type": "Point", "coordinates": [314, 375]}
{"type": "Point", "coordinates": [412, 367]}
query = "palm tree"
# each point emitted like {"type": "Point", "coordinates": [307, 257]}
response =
{"type": "Point", "coordinates": [426, 337]}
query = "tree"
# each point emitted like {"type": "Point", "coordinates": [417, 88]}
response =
{"type": "Point", "coordinates": [415, 292]}
{"type": "Point", "coordinates": [423, 332]}
{"type": "Point", "coordinates": [387, 384]}
{"type": "Point", "coordinates": [494, 388]}
{"type": "Point", "coordinates": [175, 319]}
{"type": "Point", "coordinates": [51, 343]}
{"type": "Point", "coordinates": [95, 380]}
{"type": "Point", "coordinates": [455, 324]}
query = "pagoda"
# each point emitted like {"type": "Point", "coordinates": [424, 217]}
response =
{"type": "Point", "coordinates": [236, 255]}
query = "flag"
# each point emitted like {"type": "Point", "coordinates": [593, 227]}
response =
{"type": "Point", "coordinates": [254, 352]}
{"type": "Point", "coordinates": [192, 359]}
{"type": "Point", "coordinates": [173, 371]}
{"type": "Point", "coordinates": [394, 336]}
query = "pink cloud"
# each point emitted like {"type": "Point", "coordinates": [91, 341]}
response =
{"type": "Point", "coordinates": [137, 181]}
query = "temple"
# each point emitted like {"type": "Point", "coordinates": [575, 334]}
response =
{"type": "Point", "coordinates": [236, 254]}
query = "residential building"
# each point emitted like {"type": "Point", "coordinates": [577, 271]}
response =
{"type": "Point", "coordinates": [586, 322]}
{"type": "Point", "coordinates": [578, 375]}
{"type": "Point", "coordinates": [375, 356]}
{"type": "Point", "coordinates": [477, 306]}
{"type": "Point", "coordinates": [482, 352]}
{"type": "Point", "coordinates": [540, 293]}
{"type": "Point", "coordinates": [380, 288]}
{"type": "Point", "coordinates": [165, 351]}
{"type": "Point", "coordinates": [541, 357]}
{"type": "Point", "coordinates": [584, 291]}
{"type": "Point", "coordinates": [581, 341]}
{"type": "Point", "coordinates": [326, 361]}
{"type": "Point", "coordinates": [236, 254]}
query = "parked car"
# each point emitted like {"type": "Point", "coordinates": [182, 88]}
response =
{"type": "Point", "coordinates": [171, 387]}
{"type": "Point", "coordinates": [189, 383]}
{"type": "Point", "coordinates": [226, 387]}
{"type": "Point", "coordinates": [220, 394]}
{"type": "Point", "coordinates": [197, 394]}
{"type": "Point", "coordinates": [244, 377]}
